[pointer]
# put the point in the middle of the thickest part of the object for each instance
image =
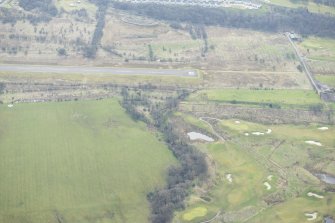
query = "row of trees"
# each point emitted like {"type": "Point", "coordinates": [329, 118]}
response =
{"type": "Point", "coordinates": [91, 50]}
{"type": "Point", "coordinates": [44, 12]}
{"type": "Point", "coordinates": [43, 6]}
{"type": "Point", "coordinates": [330, 3]}
{"type": "Point", "coordinates": [325, 2]}
{"type": "Point", "coordinates": [276, 19]}
{"type": "Point", "coordinates": [165, 201]}
{"type": "Point", "coordinates": [2, 88]}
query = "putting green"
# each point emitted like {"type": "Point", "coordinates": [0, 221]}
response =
{"type": "Point", "coordinates": [195, 213]}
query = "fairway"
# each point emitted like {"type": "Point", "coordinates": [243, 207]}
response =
{"type": "Point", "coordinates": [294, 210]}
{"type": "Point", "coordinates": [77, 162]}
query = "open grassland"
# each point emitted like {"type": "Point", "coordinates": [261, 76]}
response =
{"type": "Point", "coordinates": [319, 67]}
{"type": "Point", "coordinates": [24, 42]}
{"type": "Point", "coordinates": [280, 97]}
{"type": "Point", "coordinates": [326, 79]}
{"type": "Point", "coordinates": [310, 5]}
{"type": "Point", "coordinates": [257, 50]}
{"type": "Point", "coordinates": [77, 162]}
{"type": "Point", "coordinates": [316, 48]}
{"type": "Point", "coordinates": [280, 157]}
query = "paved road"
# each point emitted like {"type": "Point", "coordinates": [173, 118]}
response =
{"type": "Point", "coordinates": [96, 70]}
{"type": "Point", "coordinates": [302, 61]}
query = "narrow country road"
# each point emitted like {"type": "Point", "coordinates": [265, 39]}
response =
{"type": "Point", "coordinates": [96, 70]}
{"type": "Point", "coordinates": [303, 63]}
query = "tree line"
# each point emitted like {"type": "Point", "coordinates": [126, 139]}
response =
{"type": "Point", "coordinates": [330, 3]}
{"type": "Point", "coordinates": [193, 166]}
{"type": "Point", "coordinates": [42, 6]}
{"type": "Point", "coordinates": [276, 19]}
{"type": "Point", "coordinates": [91, 50]}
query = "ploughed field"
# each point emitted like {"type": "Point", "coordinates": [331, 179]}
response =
{"type": "Point", "coordinates": [81, 161]}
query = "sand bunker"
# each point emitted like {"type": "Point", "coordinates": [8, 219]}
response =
{"type": "Point", "coordinates": [269, 177]}
{"type": "Point", "coordinates": [268, 186]}
{"type": "Point", "coordinates": [258, 133]}
{"type": "Point", "coordinates": [197, 136]}
{"type": "Point", "coordinates": [310, 194]}
{"type": "Point", "coordinates": [311, 216]}
{"type": "Point", "coordinates": [229, 178]}
{"type": "Point", "coordinates": [10, 105]}
{"type": "Point", "coordinates": [246, 134]}
{"type": "Point", "coordinates": [323, 128]}
{"type": "Point", "coordinates": [313, 143]}
{"type": "Point", "coordinates": [268, 131]}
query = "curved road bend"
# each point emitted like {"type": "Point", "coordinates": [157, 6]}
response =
{"type": "Point", "coordinates": [97, 70]}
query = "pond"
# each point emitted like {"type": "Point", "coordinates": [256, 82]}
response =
{"type": "Point", "coordinates": [326, 178]}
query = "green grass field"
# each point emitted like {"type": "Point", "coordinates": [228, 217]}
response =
{"type": "Point", "coordinates": [319, 48]}
{"type": "Point", "coordinates": [281, 97]}
{"type": "Point", "coordinates": [326, 79]}
{"type": "Point", "coordinates": [81, 162]}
